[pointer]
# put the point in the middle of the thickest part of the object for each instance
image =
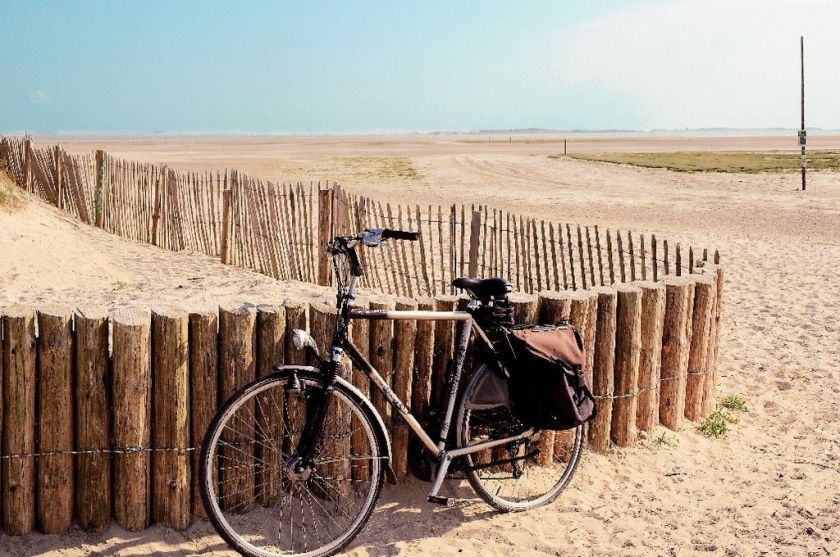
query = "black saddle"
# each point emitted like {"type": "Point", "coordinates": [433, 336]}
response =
{"type": "Point", "coordinates": [484, 289]}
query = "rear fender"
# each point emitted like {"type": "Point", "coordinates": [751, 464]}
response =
{"type": "Point", "coordinates": [381, 432]}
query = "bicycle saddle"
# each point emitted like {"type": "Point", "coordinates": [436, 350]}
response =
{"type": "Point", "coordinates": [484, 289]}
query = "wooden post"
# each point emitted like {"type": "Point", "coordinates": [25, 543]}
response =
{"type": "Point", "coordinates": [698, 367]}
{"type": "Point", "coordinates": [236, 369]}
{"type": "Point", "coordinates": [156, 215]}
{"type": "Point", "coordinates": [554, 307]}
{"type": "Point", "coordinates": [603, 368]}
{"type": "Point", "coordinates": [628, 344]}
{"type": "Point", "coordinates": [131, 393]}
{"type": "Point", "coordinates": [676, 340]}
{"type": "Point", "coordinates": [653, 317]}
{"type": "Point", "coordinates": [171, 432]}
{"type": "Point", "coordinates": [93, 419]}
{"type": "Point", "coordinates": [27, 164]}
{"type": "Point", "coordinates": [803, 161]}
{"type": "Point", "coordinates": [382, 356]}
{"type": "Point", "coordinates": [55, 424]}
{"type": "Point", "coordinates": [325, 233]}
{"type": "Point", "coordinates": [713, 362]}
{"type": "Point", "coordinates": [271, 347]}
{"type": "Point", "coordinates": [226, 227]}
{"type": "Point", "coordinates": [101, 189]}
{"type": "Point", "coordinates": [18, 479]}
{"type": "Point", "coordinates": [443, 347]}
{"type": "Point", "coordinates": [204, 385]}
{"type": "Point", "coordinates": [59, 177]}
{"type": "Point", "coordinates": [405, 338]}
{"type": "Point", "coordinates": [295, 319]}
{"type": "Point", "coordinates": [423, 360]}
{"type": "Point", "coordinates": [475, 238]}
{"type": "Point", "coordinates": [337, 431]}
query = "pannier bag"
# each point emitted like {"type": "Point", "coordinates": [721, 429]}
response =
{"type": "Point", "coordinates": [548, 389]}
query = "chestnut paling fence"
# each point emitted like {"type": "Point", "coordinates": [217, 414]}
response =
{"type": "Point", "coordinates": [280, 228]}
{"type": "Point", "coordinates": [93, 420]}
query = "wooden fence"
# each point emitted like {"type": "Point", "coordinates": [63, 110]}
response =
{"type": "Point", "coordinates": [279, 229]}
{"type": "Point", "coordinates": [95, 431]}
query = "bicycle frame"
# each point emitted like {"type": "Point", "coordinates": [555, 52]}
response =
{"type": "Point", "coordinates": [437, 449]}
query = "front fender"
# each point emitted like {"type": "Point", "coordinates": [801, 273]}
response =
{"type": "Point", "coordinates": [381, 430]}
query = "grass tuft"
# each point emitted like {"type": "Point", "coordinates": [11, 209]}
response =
{"type": "Point", "coordinates": [734, 402]}
{"type": "Point", "coordinates": [705, 161]}
{"type": "Point", "coordinates": [667, 440]}
{"type": "Point", "coordinates": [716, 424]}
{"type": "Point", "coordinates": [8, 200]}
{"type": "Point", "coordinates": [120, 284]}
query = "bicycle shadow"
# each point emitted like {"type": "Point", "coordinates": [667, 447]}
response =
{"type": "Point", "coordinates": [404, 515]}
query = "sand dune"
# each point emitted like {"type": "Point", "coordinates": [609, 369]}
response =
{"type": "Point", "coordinates": [769, 487]}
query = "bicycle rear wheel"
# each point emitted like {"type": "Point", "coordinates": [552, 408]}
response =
{"type": "Point", "coordinates": [260, 498]}
{"type": "Point", "coordinates": [520, 475]}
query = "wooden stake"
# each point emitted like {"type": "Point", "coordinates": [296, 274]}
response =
{"type": "Point", "coordinates": [475, 238]}
{"type": "Point", "coordinates": [55, 424]}
{"type": "Point", "coordinates": [713, 361]}
{"type": "Point", "coordinates": [676, 340]}
{"type": "Point", "coordinates": [171, 468]}
{"type": "Point", "coordinates": [18, 479]}
{"type": "Point", "coordinates": [132, 392]}
{"type": "Point", "coordinates": [382, 356]}
{"type": "Point", "coordinates": [204, 381]}
{"type": "Point", "coordinates": [650, 362]}
{"type": "Point", "coordinates": [226, 226]}
{"type": "Point", "coordinates": [603, 368]}
{"type": "Point", "coordinates": [93, 419]}
{"type": "Point", "coordinates": [405, 337]}
{"type": "Point", "coordinates": [628, 344]}
{"type": "Point", "coordinates": [443, 347]}
{"type": "Point", "coordinates": [236, 369]}
{"type": "Point", "coordinates": [59, 177]}
{"type": "Point", "coordinates": [698, 366]}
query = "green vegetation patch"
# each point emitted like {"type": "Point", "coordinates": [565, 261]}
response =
{"type": "Point", "coordinates": [701, 161]}
{"type": "Point", "coordinates": [401, 168]}
{"type": "Point", "coordinates": [716, 424]}
{"type": "Point", "coordinates": [666, 440]}
{"type": "Point", "coordinates": [8, 200]}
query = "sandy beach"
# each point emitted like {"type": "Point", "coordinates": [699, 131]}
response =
{"type": "Point", "coordinates": [768, 488]}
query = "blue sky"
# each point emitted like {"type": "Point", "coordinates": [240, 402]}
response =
{"type": "Point", "coordinates": [420, 66]}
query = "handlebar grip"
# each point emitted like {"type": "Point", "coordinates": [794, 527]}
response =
{"type": "Point", "coordinates": [400, 235]}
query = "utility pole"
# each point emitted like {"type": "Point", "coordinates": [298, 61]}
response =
{"type": "Point", "coordinates": [803, 161]}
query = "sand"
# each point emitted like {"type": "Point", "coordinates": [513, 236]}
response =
{"type": "Point", "coordinates": [769, 487]}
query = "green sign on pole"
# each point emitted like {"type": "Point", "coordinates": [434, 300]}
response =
{"type": "Point", "coordinates": [802, 137]}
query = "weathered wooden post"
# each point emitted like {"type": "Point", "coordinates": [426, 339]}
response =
{"type": "Point", "coordinates": [382, 357]}
{"type": "Point", "coordinates": [156, 214]}
{"type": "Point", "coordinates": [204, 385]}
{"type": "Point", "coordinates": [59, 176]}
{"type": "Point", "coordinates": [698, 366]}
{"type": "Point", "coordinates": [271, 348]}
{"type": "Point", "coordinates": [603, 368]}
{"type": "Point", "coordinates": [171, 431]}
{"type": "Point", "coordinates": [443, 346]}
{"type": "Point", "coordinates": [27, 164]}
{"type": "Point", "coordinates": [628, 344]}
{"type": "Point", "coordinates": [337, 432]}
{"type": "Point", "coordinates": [236, 369]}
{"type": "Point", "coordinates": [650, 363]}
{"type": "Point", "coordinates": [55, 426]}
{"type": "Point", "coordinates": [676, 340]}
{"type": "Point", "coordinates": [101, 198]}
{"type": "Point", "coordinates": [714, 345]}
{"type": "Point", "coordinates": [475, 238]}
{"type": "Point", "coordinates": [325, 229]}
{"type": "Point", "coordinates": [405, 336]}
{"type": "Point", "coordinates": [131, 395]}
{"type": "Point", "coordinates": [295, 319]}
{"type": "Point", "coordinates": [360, 332]}
{"type": "Point", "coordinates": [423, 360]}
{"type": "Point", "coordinates": [226, 224]}
{"type": "Point", "coordinates": [18, 482]}
{"type": "Point", "coordinates": [93, 419]}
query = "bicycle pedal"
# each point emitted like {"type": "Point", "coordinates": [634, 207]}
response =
{"type": "Point", "coordinates": [443, 501]}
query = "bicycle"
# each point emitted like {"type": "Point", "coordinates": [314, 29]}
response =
{"type": "Point", "coordinates": [294, 462]}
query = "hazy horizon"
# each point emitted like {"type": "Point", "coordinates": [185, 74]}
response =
{"type": "Point", "coordinates": [309, 68]}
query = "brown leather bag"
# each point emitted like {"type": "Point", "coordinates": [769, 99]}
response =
{"type": "Point", "coordinates": [548, 386]}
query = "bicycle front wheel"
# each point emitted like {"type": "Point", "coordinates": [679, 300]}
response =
{"type": "Point", "coordinates": [256, 491]}
{"type": "Point", "coordinates": [519, 475]}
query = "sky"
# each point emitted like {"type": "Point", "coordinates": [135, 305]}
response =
{"type": "Point", "coordinates": [377, 66]}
